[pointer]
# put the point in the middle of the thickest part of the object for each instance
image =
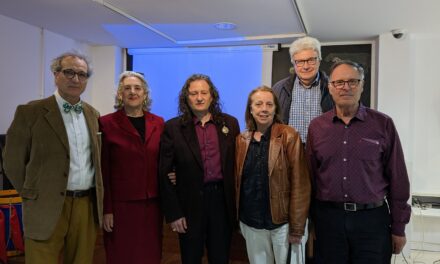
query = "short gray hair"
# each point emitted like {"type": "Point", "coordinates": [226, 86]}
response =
{"type": "Point", "coordinates": [305, 43]}
{"type": "Point", "coordinates": [55, 65]}
{"type": "Point", "coordinates": [147, 102]}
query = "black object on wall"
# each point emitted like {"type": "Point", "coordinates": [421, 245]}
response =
{"type": "Point", "coordinates": [129, 59]}
{"type": "Point", "coordinates": [6, 184]}
{"type": "Point", "coordinates": [360, 53]}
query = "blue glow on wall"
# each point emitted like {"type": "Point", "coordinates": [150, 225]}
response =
{"type": "Point", "coordinates": [235, 71]}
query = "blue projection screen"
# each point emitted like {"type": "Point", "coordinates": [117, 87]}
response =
{"type": "Point", "coordinates": [235, 71]}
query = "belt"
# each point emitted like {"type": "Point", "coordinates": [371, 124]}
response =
{"type": "Point", "coordinates": [214, 185]}
{"type": "Point", "coordinates": [352, 206]}
{"type": "Point", "coordinates": [78, 194]}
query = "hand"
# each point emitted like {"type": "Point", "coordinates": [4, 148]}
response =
{"type": "Point", "coordinates": [108, 222]}
{"type": "Point", "coordinates": [398, 242]}
{"type": "Point", "coordinates": [179, 225]}
{"type": "Point", "coordinates": [294, 239]}
{"type": "Point", "coordinates": [172, 177]}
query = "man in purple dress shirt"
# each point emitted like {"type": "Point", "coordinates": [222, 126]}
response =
{"type": "Point", "coordinates": [361, 185]}
{"type": "Point", "coordinates": [199, 146]}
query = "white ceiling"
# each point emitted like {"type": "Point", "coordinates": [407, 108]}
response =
{"type": "Point", "coordinates": [174, 23]}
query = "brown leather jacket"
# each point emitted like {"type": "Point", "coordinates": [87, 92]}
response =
{"type": "Point", "coordinates": [289, 183]}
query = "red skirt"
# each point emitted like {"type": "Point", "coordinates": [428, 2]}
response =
{"type": "Point", "coordinates": [137, 233]}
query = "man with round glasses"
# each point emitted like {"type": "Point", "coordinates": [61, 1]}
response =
{"type": "Point", "coordinates": [361, 185]}
{"type": "Point", "coordinates": [52, 158]}
{"type": "Point", "coordinates": [303, 95]}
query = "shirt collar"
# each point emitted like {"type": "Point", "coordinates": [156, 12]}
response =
{"type": "Point", "coordinates": [361, 113]}
{"type": "Point", "coordinates": [198, 122]}
{"type": "Point", "coordinates": [265, 136]}
{"type": "Point", "coordinates": [60, 101]}
{"type": "Point", "coordinates": [314, 83]}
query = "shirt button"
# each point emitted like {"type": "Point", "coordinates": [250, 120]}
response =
{"type": "Point", "coordinates": [345, 195]}
{"type": "Point", "coordinates": [345, 142]}
{"type": "Point", "coordinates": [345, 178]}
{"type": "Point", "coordinates": [344, 159]}
{"type": "Point", "coordinates": [346, 126]}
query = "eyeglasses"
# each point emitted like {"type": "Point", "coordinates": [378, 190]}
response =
{"type": "Point", "coordinates": [352, 83]}
{"type": "Point", "coordinates": [70, 74]}
{"type": "Point", "coordinates": [310, 61]}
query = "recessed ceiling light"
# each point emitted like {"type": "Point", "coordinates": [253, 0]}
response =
{"type": "Point", "coordinates": [225, 26]}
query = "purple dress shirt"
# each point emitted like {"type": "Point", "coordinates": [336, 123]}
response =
{"type": "Point", "coordinates": [209, 150]}
{"type": "Point", "coordinates": [360, 162]}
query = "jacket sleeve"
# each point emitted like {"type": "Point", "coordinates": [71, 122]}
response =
{"type": "Point", "coordinates": [170, 202]}
{"type": "Point", "coordinates": [106, 169]}
{"type": "Point", "coordinates": [300, 185]}
{"type": "Point", "coordinates": [17, 149]}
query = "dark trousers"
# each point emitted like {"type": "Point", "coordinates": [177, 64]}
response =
{"type": "Point", "coordinates": [352, 237]}
{"type": "Point", "coordinates": [216, 231]}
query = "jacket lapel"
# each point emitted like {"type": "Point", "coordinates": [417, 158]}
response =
{"type": "Point", "coordinates": [150, 126]}
{"type": "Point", "coordinates": [92, 124]}
{"type": "Point", "coordinates": [274, 147]}
{"type": "Point", "coordinates": [190, 135]}
{"type": "Point", "coordinates": [222, 137]}
{"type": "Point", "coordinates": [123, 122]}
{"type": "Point", "coordinates": [247, 136]}
{"type": "Point", "coordinates": [55, 120]}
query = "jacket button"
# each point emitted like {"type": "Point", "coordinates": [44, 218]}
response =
{"type": "Point", "coordinates": [62, 193]}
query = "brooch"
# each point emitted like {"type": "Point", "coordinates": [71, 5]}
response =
{"type": "Point", "coordinates": [225, 130]}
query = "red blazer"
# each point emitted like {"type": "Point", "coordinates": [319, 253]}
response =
{"type": "Point", "coordinates": [129, 166]}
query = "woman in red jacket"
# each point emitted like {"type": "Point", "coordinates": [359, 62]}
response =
{"type": "Point", "coordinates": [130, 153]}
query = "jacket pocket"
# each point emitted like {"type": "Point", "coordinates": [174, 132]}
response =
{"type": "Point", "coordinates": [29, 194]}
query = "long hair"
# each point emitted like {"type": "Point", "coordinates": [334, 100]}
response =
{"type": "Point", "coordinates": [146, 105]}
{"type": "Point", "coordinates": [185, 110]}
{"type": "Point", "coordinates": [249, 119]}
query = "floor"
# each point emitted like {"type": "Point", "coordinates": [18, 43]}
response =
{"type": "Point", "coordinates": [170, 250]}
{"type": "Point", "coordinates": [171, 253]}
{"type": "Point", "coordinates": [418, 257]}
{"type": "Point", "coordinates": [238, 252]}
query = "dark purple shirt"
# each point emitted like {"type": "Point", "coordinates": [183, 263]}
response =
{"type": "Point", "coordinates": [360, 162]}
{"type": "Point", "coordinates": [209, 150]}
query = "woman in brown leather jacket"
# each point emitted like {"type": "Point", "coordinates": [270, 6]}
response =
{"type": "Point", "coordinates": [272, 181]}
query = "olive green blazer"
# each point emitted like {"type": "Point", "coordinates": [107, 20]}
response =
{"type": "Point", "coordinates": [36, 161]}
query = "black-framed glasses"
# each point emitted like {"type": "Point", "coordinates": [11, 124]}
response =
{"type": "Point", "coordinates": [352, 83]}
{"type": "Point", "coordinates": [70, 74]}
{"type": "Point", "coordinates": [310, 61]}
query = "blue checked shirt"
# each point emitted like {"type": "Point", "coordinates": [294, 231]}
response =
{"type": "Point", "coordinates": [305, 106]}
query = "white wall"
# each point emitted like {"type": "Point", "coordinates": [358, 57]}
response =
{"type": "Point", "coordinates": [408, 92]}
{"type": "Point", "coordinates": [26, 52]}
{"type": "Point", "coordinates": [426, 138]}
{"type": "Point", "coordinates": [426, 125]}
{"type": "Point", "coordinates": [20, 67]}
{"type": "Point", "coordinates": [107, 65]}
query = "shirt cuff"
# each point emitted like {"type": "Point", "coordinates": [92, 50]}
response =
{"type": "Point", "coordinates": [398, 229]}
